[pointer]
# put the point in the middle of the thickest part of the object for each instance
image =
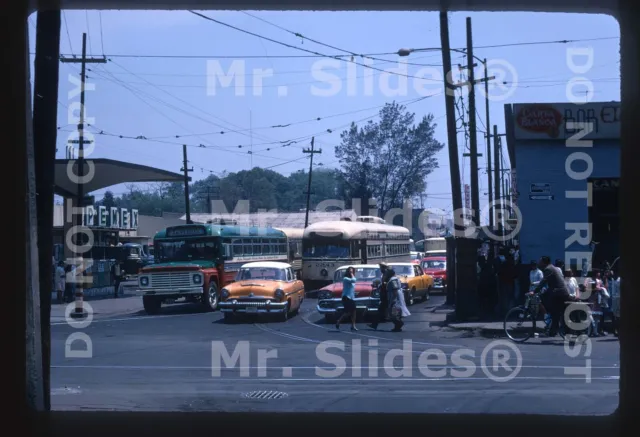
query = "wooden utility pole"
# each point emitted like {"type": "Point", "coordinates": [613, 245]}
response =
{"type": "Point", "coordinates": [186, 171]}
{"type": "Point", "coordinates": [82, 202]}
{"type": "Point", "coordinates": [473, 137]}
{"type": "Point", "coordinates": [452, 135]}
{"type": "Point", "coordinates": [311, 152]}
{"type": "Point", "coordinates": [488, 136]}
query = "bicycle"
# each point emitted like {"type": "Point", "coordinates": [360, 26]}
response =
{"type": "Point", "coordinates": [526, 316]}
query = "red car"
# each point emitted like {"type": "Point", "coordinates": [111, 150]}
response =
{"type": "Point", "coordinates": [436, 266]}
{"type": "Point", "coordinates": [367, 293]}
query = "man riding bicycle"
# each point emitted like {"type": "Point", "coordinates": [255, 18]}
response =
{"type": "Point", "coordinates": [556, 295]}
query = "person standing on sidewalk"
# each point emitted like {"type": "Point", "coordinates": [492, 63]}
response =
{"type": "Point", "coordinates": [348, 298]}
{"type": "Point", "coordinates": [116, 277]}
{"type": "Point", "coordinates": [60, 281]}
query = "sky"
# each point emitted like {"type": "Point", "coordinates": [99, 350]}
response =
{"type": "Point", "coordinates": [165, 81]}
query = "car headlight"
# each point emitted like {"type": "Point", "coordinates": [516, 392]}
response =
{"type": "Point", "coordinates": [144, 281]}
{"type": "Point", "coordinates": [279, 294]}
{"type": "Point", "coordinates": [375, 292]}
{"type": "Point", "coordinates": [224, 293]}
{"type": "Point", "coordinates": [197, 279]}
{"type": "Point", "coordinates": [324, 295]}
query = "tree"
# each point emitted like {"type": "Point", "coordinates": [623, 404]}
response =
{"type": "Point", "coordinates": [389, 159]}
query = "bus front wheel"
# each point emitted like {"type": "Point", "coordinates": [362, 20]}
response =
{"type": "Point", "coordinates": [210, 297]}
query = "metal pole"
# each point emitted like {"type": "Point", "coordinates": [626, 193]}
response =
{"type": "Point", "coordinates": [473, 138]}
{"type": "Point", "coordinates": [497, 169]}
{"type": "Point", "coordinates": [312, 152]}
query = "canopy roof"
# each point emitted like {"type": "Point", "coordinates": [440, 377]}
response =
{"type": "Point", "coordinates": [107, 172]}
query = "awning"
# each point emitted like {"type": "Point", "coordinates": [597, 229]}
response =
{"type": "Point", "coordinates": [106, 173]}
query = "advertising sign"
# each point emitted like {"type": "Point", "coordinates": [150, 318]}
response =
{"type": "Point", "coordinates": [114, 218]}
{"type": "Point", "coordinates": [540, 188]}
{"type": "Point", "coordinates": [548, 121]}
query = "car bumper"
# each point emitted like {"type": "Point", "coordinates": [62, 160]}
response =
{"type": "Point", "coordinates": [170, 292]}
{"type": "Point", "coordinates": [439, 283]}
{"type": "Point", "coordinates": [332, 306]}
{"type": "Point", "coordinates": [252, 307]}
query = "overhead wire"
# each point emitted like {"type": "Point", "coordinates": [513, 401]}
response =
{"type": "Point", "coordinates": [299, 48]}
{"type": "Point", "coordinates": [66, 26]}
{"type": "Point", "coordinates": [101, 32]}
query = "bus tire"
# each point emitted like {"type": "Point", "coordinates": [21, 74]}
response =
{"type": "Point", "coordinates": [151, 304]}
{"type": "Point", "coordinates": [210, 297]}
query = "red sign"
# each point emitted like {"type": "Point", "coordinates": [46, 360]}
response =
{"type": "Point", "coordinates": [540, 118]}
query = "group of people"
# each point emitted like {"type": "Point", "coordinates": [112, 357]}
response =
{"type": "Point", "coordinates": [559, 285]}
{"type": "Point", "coordinates": [392, 306]}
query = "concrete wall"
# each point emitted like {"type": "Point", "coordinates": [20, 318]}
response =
{"type": "Point", "coordinates": [543, 225]}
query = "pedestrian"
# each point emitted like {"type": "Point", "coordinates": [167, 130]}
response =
{"type": "Point", "coordinates": [70, 282]}
{"type": "Point", "coordinates": [348, 298]}
{"type": "Point", "coordinates": [60, 281]}
{"type": "Point", "coordinates": [383, 307]}
{"type": "Point", "coordinates": [535, 276]}
{"type": "Point", "coordinates": [116, 277]}
{"type": "Point", "coordinates": [572, 283]}
{"type": "Point", "coordinates": [397, 307]}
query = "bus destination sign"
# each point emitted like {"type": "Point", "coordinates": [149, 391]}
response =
{"type": "Point", "coordinates": [188, 231]}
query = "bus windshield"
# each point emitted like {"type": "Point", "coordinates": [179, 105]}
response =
{"type": "Point", "coordinates": [336, 250]}
{"type": "Point", "coordinates": [187, 250]}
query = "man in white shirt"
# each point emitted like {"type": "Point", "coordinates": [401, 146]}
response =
{"type": "Point", "coordinates": [535, 276]}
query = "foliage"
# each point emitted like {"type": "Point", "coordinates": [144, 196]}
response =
{"type": "Point", "coordinates": [390, 159]}
{"type": "Point", "coordinates": [265, 190]}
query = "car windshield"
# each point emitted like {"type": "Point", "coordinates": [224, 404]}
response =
{"type": "Point", "coordinates": [403, 270]}
{"type": "Point", "coordinates": [434, 264]}
{"type": "Point", "coordinates": [266, 273]}
{"type": "Point", "coordinates": [187, 250]}
{"type": "Point", "coordinates": [368, 274]}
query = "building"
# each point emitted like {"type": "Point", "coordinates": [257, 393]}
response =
{"type": "Point", "coordinates": [558, 165]}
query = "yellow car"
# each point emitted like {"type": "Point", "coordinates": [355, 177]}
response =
{"type": "Point", "coordinates": [262, 288]}
{"type": "Point", "coordinates": [415, 281]}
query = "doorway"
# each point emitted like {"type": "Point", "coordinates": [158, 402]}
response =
{"type": "Point", "coordinates": [604, 216]}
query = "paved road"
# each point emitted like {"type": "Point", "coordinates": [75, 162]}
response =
{"type": "Point", "coordinates": [168, 363]}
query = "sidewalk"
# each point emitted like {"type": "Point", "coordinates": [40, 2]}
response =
{"type": "Point", "coordinates": [101, 308]}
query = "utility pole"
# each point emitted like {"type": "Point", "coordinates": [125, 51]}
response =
{"type": "Point", "coordinates": [473, 137]}
{"type": "Point", "coordinates": [311, 152]}
{"type": "Point", "coordinates": [79, 311]}
{"type": "Point", "coordinates": [186, 182]}
{"type": "Point", "coordinates": [488, 136]}
{"type": "Point", "coordinates": [452, 135]}
{"type": "Point", "coordinates": [497, 168]}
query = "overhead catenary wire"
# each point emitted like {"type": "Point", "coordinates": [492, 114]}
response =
{"type": "Point", "coordinates": [66, 26]}
{"type": "Point", "coordinates": [101, 32]}
{"type": "Point", "coordinates": [300, 48]}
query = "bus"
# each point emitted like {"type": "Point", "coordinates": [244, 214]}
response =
{"type": "Point", "coordinates": [193, 262]}
{"type": "Point", "coordinates": [435, 246]}
{"type": "Point", "coordinates": [332, 244]}
{"type": "Point", "coordinates": [294, 244]}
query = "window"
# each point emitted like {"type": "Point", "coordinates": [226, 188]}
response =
{"type": "Point", "coordinates": [289, 276]}
{"type": "Point", "coordinates": [247, 249]}
{"type": "Point", "coordinates": [237, 250]}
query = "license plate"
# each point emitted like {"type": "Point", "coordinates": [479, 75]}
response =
{"type": "Point", "coordinates": [252, 309]}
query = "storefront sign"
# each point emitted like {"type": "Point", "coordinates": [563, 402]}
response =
{"type": "Point", "coordinates": [540, 188]}
{"type": "Point", "coordinates": [113, 218]}
{"type": "Point", "coordinates": [514, 187]}
{"type": "Point", "coordinates": [609, 184]}
{"type": "Point", "coordinates": [467, 196]}
{"type": "Point", "coordinates": [541, 197]}
{"type": "Point", "coordinates": [549, 121]}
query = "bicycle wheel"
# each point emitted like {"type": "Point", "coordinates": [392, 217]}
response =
{"type": "Point", "coordinates": [519, 324]}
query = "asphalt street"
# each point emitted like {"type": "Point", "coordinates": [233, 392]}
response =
{"type": "Point", "coordinates": [182, 360]}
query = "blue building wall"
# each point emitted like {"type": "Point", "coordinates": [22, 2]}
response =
{"type": "Point", "coordinates": [543, 229]}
